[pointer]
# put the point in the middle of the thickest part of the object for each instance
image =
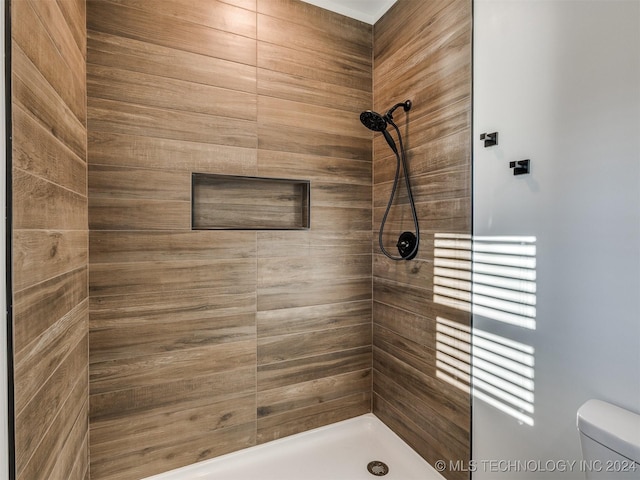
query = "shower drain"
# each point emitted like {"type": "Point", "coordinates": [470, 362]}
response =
{"type": "Point", "coordinates": [377, 468]}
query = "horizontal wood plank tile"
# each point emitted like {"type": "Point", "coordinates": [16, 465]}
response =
{"type": "Point", "coordinates": [150, 277]}
{"type": "Point", "coordinates": [50, 349]}
{"type": "Point", "coordinates": [451, 151]}
{"type": "Point", "coordinates": [348, 71]}
{"type": "Point", "coordinates": [211, 13]}
{"type": "Point", "coordinates": [116, 117]}
{"type": "Point", "coordinates": [152, 338]}
{"type": "Point", "coordinates": [42, 254]}
{"type": "Point", "coordinates": [420, 440]}
{"type": "Point", "coordinates": [137, 310]}
{"type": "Point", "coordinates": [283, 31]}
{"type": "Point", "coordinates": [439, 395]}
{"type": "Point", "coordinates": [312, 292]}
{"type": "Point", "coordinates": [165, 367]}
{"type": "Point", "coordinates": [310, 91]}
{"type": "Point", "coordinates": [339, 25]}
{"type": "Point", "coordinates": [340, 219]}
{"type": "Point", "coordinates": [272, 323]}
{"type": "Point", "coordinates": [313, 243]}
{"type": "Point", "coordinates": [311, 368]}
{"type": "Point", "coordinates": [314, 168]}
{"type": "Point", "coordinates": [112, 437]}
{"type": "Point", "coordinates": [160, 458]}
{"type": "Point", "coordinates": [40, 204]}
{"type": "Point", "coordinates": [315, 392]}
{"type": "Point", "coordinates": [75, 14]}
{"type": "Point", "coordinates": [158, 91]}
{"type": "Point", "coordinates": [40, 413]}
{"type": "Point", "coordinates": [138, 214]}
{"type": "Point", "coordinates": [30, 89]}
{"type": "Point", "coordinates": [158, 28]}
{"type": "Point", "coordinates": [144, 246]}
{"type": "Point", "coordinates": [275, 271]}
{"type": "Point", "coordinates": [67, 435]}
{"type": "Point", "coordinates": [162, 61]}
{"type": "Point", "coordinates": [164, 153]}
{"type": "Point", "coordinates": [37, 151]}
{"type": "Point", "coordinates": [292, 346]}
{"type": "Point", "coordinates": [140, 398]}
{"type": "Point", "coordinates": [37, 308]}
{"type": "Point", "coordinates": [56, 56]}
{"type": "Point", "coordinates": [112, 182]}
{"type": "Point", "coordinates": [314, 416]}
{"type": "Point", "coordinates": [69, 466]}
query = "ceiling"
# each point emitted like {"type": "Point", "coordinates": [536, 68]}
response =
{"type": "Point", "coordinates": [368, 11]}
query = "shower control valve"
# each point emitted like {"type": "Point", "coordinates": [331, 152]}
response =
{"type": "Point", "coordinates": [407, 245]}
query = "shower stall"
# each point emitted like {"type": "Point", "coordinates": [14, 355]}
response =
{"type": "Point", "coordinates": [141, 340]}
{"type": "Point", "coordinates": [155, 343]}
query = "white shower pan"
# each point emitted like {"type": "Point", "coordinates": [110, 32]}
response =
{"type": "Point", "coordinates": [340, 451]}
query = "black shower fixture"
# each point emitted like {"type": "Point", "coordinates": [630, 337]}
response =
{"type": "Point", "coordinates": [408, 242]}
{"type": "Point", "coordinates": [378, 123]}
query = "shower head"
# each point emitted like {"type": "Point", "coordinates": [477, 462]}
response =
{"type": "Point", "coordinates": [378, 123]}
{"type": "Point", "coordinates": [373, 121]}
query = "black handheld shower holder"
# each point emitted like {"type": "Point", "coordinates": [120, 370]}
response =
{"type": "Point", "coordinates": [406, 105]}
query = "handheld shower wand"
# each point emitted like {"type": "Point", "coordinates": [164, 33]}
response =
{"type": "Point", "coordinates": [378, 123]}
{"type": "Point", "coordinates": [408, 242]}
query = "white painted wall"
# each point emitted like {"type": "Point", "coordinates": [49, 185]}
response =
{"type": "Point", "coordinates": [560, 81]}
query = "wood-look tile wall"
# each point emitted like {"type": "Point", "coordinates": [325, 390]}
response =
{"type": "Point", "coordinates": [422, 52]}
{"type": "Point", "coordinates": [50, 239]}
{"type": "Point", "coordinates": [205, 342]}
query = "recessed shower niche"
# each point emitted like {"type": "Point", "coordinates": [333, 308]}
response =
{"type": "Point", "coordinates": [228, 202]}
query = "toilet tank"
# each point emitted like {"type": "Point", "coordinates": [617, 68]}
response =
{"type": "Point", "coordinates": [610, 441]}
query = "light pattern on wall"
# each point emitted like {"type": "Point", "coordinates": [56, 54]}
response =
{"type": "Point", "coordinates": [494, 277]}
{"type": "Point", "coordinates": [499, 371]}
{"type": "Point", "coordinates": [490, 276]}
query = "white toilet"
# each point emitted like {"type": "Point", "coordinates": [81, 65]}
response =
{"type": "Point", "coordinates": [610, 440]}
